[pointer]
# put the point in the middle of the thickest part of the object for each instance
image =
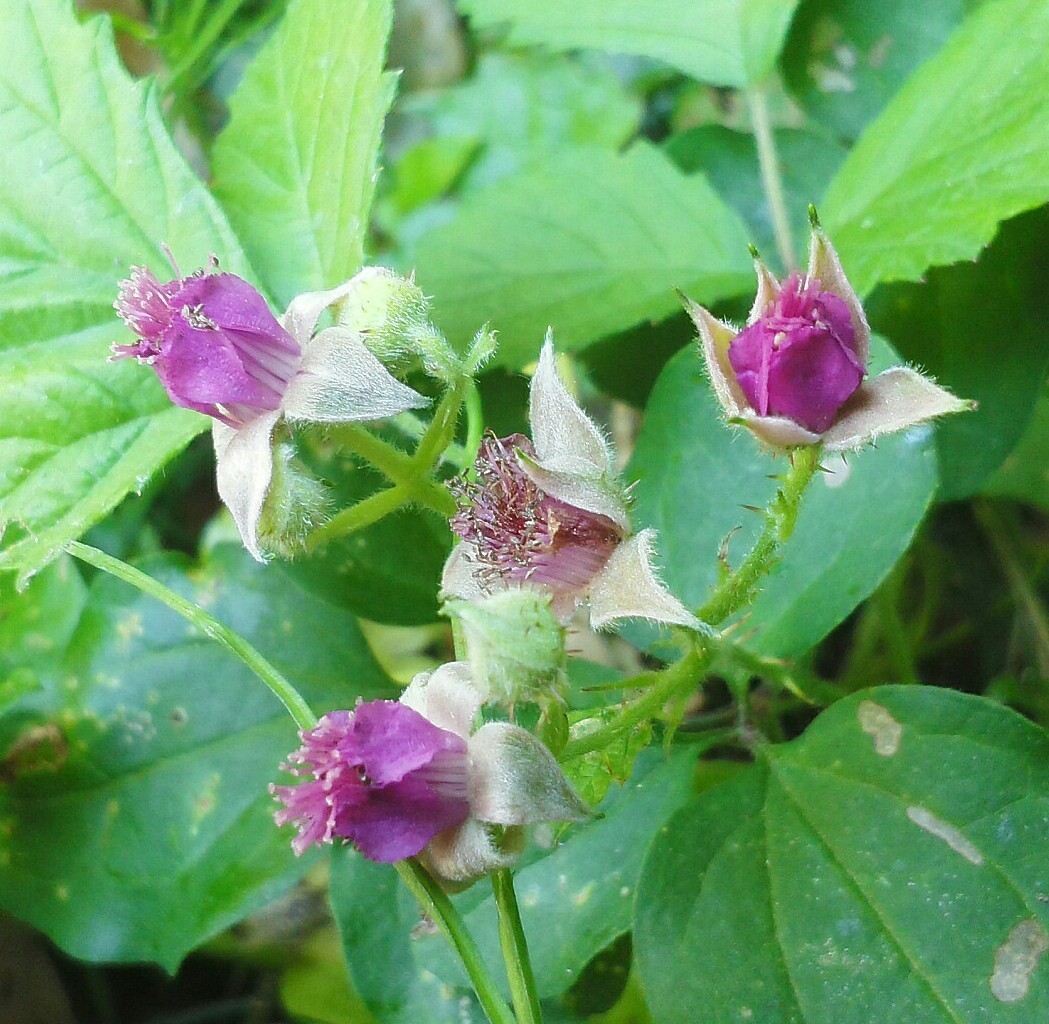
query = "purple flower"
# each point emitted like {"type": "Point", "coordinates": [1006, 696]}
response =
{"type": "Point", "coordinates": [412, 778]}
{"type": "Point", "coordinates": [550, 513]}
{"type": "Point", "coordinates": [212, 340]}
{"type": "Point", "coordinates": [383, 777]}
{"type": "Point", "coordinates": [795, 374]}
{"type": "Point", "coordinates": [218, 349]}
{"type": "Point", "coordinates": [799, 359]}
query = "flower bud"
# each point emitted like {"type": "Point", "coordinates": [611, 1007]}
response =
{"type": "Point", "coordinates": [212, 340]}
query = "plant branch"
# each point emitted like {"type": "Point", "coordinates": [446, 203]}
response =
{"type": "Point", "coordinates": [356, 517]}
{"type": "Point", "coordinates": [209, 626]}
{"type": "Point", "coordinates": [515, 951]}
{"type": "Point", "coordinates": [771, 179]}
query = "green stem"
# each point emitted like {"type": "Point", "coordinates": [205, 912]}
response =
{"type": "Point", "coordinates": [356, 517]}
{"type": "Point", "coordinates": [515, 951]}
{"type": "Point", "coordinates": [661, 687]}
{"type": "Point", "coordinates": [771, 178]}
{"type": "Point", "coordinates": [441, 431]}
{"type": "Point", "coordinates": [474, 427]}
{"type": "Point", "coordinates": [780, 516]}
{"type": "Point", "coordinates": [211, 627]}
{"type": "Point", "coordinates": [435, 903]}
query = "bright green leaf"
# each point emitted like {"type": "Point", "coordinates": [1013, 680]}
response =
{"type": "Point", "coordinates": [96, 185]}
{"type": "Point", "coordinates": [960, 148]}
{"type": "Point", "coordinates": [591, 243]}
{"type": "Point", "coordinates": [137, 822]}
{"type": "Point", "coordinates": [696, 474]}
{"type": "Point", "coordinates": [724, 42]}
{"type": "Point", "coordinates": [296, 166]}
{"type": "Point", "coordinates": [888, 865]}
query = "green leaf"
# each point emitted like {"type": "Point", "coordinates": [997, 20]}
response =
{"type": "Point", "coordinates": [724, 42]}
{"type": "Point", "coordinates": [887, 865]}
{"type": "Point", "coordinates": [1024, 475]}
{"type": "Point", "coordinates": [729, 160]}
{"type": "Point", "coordinates": [100, 186]}
{"type": "Point", "coordinates": [577, 899]}
{"type": "Point", "coordinates": [376, 916]}
{"type": "Point", "coordinates": [960, 148]}
{"type": "Point", "coordinates": [980, 329]}
{"type": "Point", "coordinates": [844, 59]}
{"type": "Point", "coordinates": [591, 243]}
{"type": "Point", "coordinates": [136, 822]}
{"type": "Point", "coordinates": [696, 474]}
{"type": "Point", "coordinates": [296, 166]}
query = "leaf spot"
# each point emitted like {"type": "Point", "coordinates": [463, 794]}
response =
{"type": "Point", "coordinates": [1015, 961]}
{"type": "Point", "coordinates": [880, 726]}
{"type": "Point", "coordinates": [582, 897]}
{"type": "Point", "coordinates": [953, 837]}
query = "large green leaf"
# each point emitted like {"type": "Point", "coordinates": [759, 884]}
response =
{"type": "Point", "coordinates": [296, 166]}
{"type": "Point", "coordinates": [960, 148]}
{"type": "Point", "coordinates": [136, 821]}
{"type": "Point", "coordinates": [983, 330]}
{"type": "Point", "coordinates": [95, 184]}
{"type": "Point", "coordinates": [1024, 475]}
{"type": "Point", "coordinates": [889, 865]}
{"type": "Point", "coordinates": [725, 42]}
{"type": "Point", "coordinates": [844, 59]}
{"type": "Point", "coordinates": [696, 473]}
{"type": "Point", "coordinates": [591, 243]}
{"type": "Point", "coordinates": [577, 899]}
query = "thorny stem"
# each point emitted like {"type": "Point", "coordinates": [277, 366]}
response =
{"type": "Point", "coordinates": [211, 627]}
{"type": "Point", "coordinates": [771, 178]}
{"type": "Point", "coordinates": [780, 516]}
{"type": "Point", "coordinates": [436, 905]}
{"type": "Point", "coordinates": [515, 951]}
{"type": "Point", "coordinates": [660, 687]}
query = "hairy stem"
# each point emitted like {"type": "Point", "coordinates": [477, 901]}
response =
{"type": "Point", "coordinates": [209, 626]}
{"type": "Point", "coordinates": [771, 179]}
{"type": "Point", "coordinates": [734, 592]}
{"type": "Point", "coordinates": [356, 517]}
{"type": "Point", "coordinates": [436, 905]}
{"type": "Point", "coordinates": [515, 951]}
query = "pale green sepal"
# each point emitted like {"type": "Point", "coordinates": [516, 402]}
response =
{"type": "Point", "coordinates": [447, 697]}
{"type": "Point", "coordinates": [470, 851]}
{"type": "Point", "coordinates": [592, 494]}
{"type": "Point", "coordinates": [565, 438]}
{"type": "Point", "coordinates": [244, 468]}
{"type": "Point", "coordinates": [303, 312]}
{"type": "Point", "coordinates": [715, 336]}
{"type": "Point", "coordinates": [516, 780]}
{"type": "Point", "coordinates": [459, 577]}
{"type": "Point", "coordinates": [825, 267]}
{"type": "Point", "coordinates": [627, 587]}
{"type": "Point", "coordinates": [339, 381]}
{"type": "Point", "coordinates": [896, 399]}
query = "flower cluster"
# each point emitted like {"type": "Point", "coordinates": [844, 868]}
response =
{"type": "Point", "coordinates": [795, 374]}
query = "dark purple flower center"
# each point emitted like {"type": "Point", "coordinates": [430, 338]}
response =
{"type": "Point", "coordinates": [382, 776]}
{"type": "Point", "coordinates": [799, 358]}
{"type": "Point", "coordinates": [212, 340]}
{"type": "Point", "coordinates": [522, 534]}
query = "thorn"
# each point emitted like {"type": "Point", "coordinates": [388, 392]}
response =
{"type": "Point", "coordinates": [814, 217]}
{"type": "Point", "coordinates": [754, 251]}
{"type": "Point", "coordinates": [752, 508]}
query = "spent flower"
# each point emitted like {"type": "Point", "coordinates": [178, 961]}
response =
{"type": "Point", "coordinates": [551, 513]}
{"type": "Point", "coordinates": [218, 349]}
{"type": "Point", "coordinates": [412, 778]}
{"type": "Point", "coordinates": [795, 374]}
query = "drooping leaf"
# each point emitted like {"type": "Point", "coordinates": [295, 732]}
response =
{"type": "Point", "coordinates": [960, 148]}
{"type": "Point", "coordinates": [137, 821]}
{"type": "Point", "coordinates": [296, 166]}
{"type": "Point", "coordinates": [889, 864]}
{"type": "Point", "coordinates": [591, 243]}
{"type": "Point", "coordinates": [96, 185]}
{"type": "Point", "coordinates": [981, 331]}
{"type": "Point", "coordinates": [696, 474]}
{"type": "Point", "coordinates": [724, 42]}
{"type": "Point", "coordinates": [845, 59]}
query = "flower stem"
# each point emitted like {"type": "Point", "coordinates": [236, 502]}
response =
{"type": "Point", "coordinates": [211, 627]}
{"type": "Point", "coordinates": [441, 431]}
{"type": "Point", "coordinates": [474, 427]}
{"type": "Point", "coordinates": [780, 516]}
{"type": "Point", "coordinates": [515, 951]}
{"type": "Point", "coordinates": [771, 179]}
{"type": "Point", "coordinates": [435, 903]}
{"type": "Point", "coordinates": [661, 687]}
{"type": "Point", "coordinates": [356, 517]}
